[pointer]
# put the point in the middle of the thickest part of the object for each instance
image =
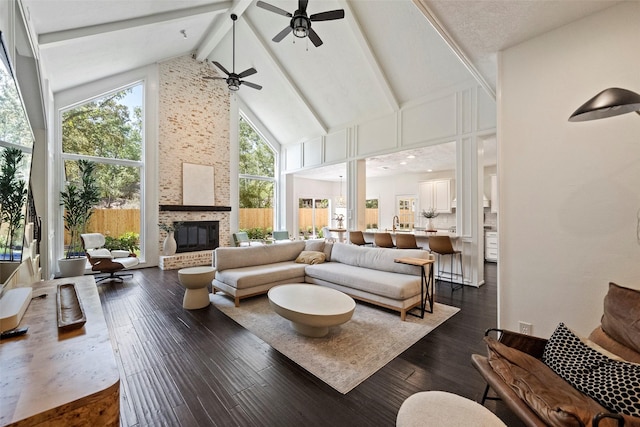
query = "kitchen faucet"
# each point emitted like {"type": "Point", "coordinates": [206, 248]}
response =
{"type": "Point", "coordinates": [396, 220]}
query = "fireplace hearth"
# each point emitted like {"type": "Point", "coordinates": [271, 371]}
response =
{"type": "Point", "coordinates": [194, 236]}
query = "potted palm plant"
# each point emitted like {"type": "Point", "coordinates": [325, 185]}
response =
{"type": "Point", "coordinates": [13, 195]}
{"type": "Point", "coordinates": [78, 202]}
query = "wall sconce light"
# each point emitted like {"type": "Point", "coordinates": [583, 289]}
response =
{"type": "Point", "coordinates": [610, 102]}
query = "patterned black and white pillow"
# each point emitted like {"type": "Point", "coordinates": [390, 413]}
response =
{"type": "Point", "coordinates": [615, 384]}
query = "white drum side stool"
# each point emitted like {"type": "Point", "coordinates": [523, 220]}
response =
{"type": "Point", "coordinates": [439, 408]}
{"type": "Point", "coordinates": [196, 281]}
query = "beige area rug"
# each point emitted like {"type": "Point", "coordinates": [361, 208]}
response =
{"type": "Point", "coordinates": [349, 353]}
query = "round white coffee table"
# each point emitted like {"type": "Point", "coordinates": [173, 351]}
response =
{"type": "Point", "coordinates": [312, 309]}
{"type": "Point", "coordinates": [196, 281]}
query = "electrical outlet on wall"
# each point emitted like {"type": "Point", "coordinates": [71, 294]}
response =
{"type": "Point", "coordinates": [525, 327]}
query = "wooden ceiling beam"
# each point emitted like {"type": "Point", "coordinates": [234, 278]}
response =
{"type": "Point", "coordinates": [285, 75]}
{"type": "Point", "coordinates": [457, 50]}
{"type": "Point", "coordinates": [56, 37]}
{"type": "Point", "coordinates": [369, 55]}
{"type": "Point", "coordinates": [219, 27]}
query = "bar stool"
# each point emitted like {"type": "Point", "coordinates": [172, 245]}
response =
{"type": "Point", "coordinates": [406, 241]}
{"type": "Point", "coordinates": [383, 240]}
{"type": "Point", "coordinates": [441, 245]}
{"type": "Point", "coordinates": [357, 238]}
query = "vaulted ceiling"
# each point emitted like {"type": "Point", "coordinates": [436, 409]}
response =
{"type": "Point", "coordinates": [383, 55]}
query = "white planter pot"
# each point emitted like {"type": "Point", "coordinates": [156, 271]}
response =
{"type": "Point", "coordinates": [169, 246]}
{"type": "Point", "coordinates": [72, 267]}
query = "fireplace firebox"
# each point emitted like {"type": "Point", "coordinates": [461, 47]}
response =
{"type": "Point", "coordinates": [194, 236]}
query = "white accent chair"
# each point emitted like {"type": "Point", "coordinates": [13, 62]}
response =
{"type": "Point", "coordinates": [327, 235]}
{"type": "Point", "coordinates": [105, 261]}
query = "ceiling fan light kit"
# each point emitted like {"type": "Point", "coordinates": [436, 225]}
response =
{"type": "Point", "coordinates": [234, 80]}
{"type": "Point", "coordinates": [300, 24]}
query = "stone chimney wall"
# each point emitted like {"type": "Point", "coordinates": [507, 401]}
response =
{"type": "Point", "coordinates": [193, 128]}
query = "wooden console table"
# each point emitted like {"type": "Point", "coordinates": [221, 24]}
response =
{"type": "Point", "coordinates": [60, 378]}
{"type": "Point", "coordinates": [426, 282]}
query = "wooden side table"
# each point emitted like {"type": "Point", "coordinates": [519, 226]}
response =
{"type": "Point", "coordinates": [426, 283]}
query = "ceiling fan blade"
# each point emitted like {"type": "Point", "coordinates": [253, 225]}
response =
{"type": "Point", "coordinates": [302, 5]}
{"type": "Point", "coordinates": [247, 72]}
{"type": "Point", "coordinates": [217, 64]}
{"type": "Point", "coordinates": [282, 34]}
{"type": "Point", "coordinates": [214, 78]}
{"type": "Point", "coordinates": [315, 39]}
{"type": "Point", "coordinates": [328, 16]}
{"type": "Point", "coordinates": [273, 9]}
{"type": "Point", "coordinates": [253, 85]}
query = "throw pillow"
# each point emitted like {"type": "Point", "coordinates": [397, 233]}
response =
{"type": "Point", "coordinates": [621, 314]}
{"type": "Point", "coordinates": [615, 384]}
{"type": "Point", "coordinates": [310, 257]}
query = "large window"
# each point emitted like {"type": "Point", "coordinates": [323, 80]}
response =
{"type": "Point", "coordinates": [16, 143]}
{"type": "Point", "coordinates": [257, 182]}
{"type": "Point", "coordinates": [313, 214]}
{"type": "Point", "coordinates": [109, 132]}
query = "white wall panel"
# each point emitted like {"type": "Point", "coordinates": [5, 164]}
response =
{"type": "Point", "coordinates": [312, 152]}
{"type": "Point", "coordinates": [293, 157]}
{"type": "Point", "coordinates": [466, 111]}
{"type": "Point", "coordinates": [377, 135]}
{"type": "Point", "coordinates": [486, 110]}
{"type": "Point", "coordinates": [335, 146]}
{"type": "Point", "coordinates": [432, 120]}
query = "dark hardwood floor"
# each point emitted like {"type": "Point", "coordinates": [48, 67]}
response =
{"type": "Point", "coordinates": [192, 368]}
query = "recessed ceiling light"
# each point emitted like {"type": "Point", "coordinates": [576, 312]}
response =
{"type": "Point", "coordinates": [411, 157]}
{"type": "Point", "coordinates": [429, 170]}
{"type": "Point", "coordinates": [403, 163]}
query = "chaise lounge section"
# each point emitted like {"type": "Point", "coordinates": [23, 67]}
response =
{"type": "Point", "coordinates": [366, 274]}
{"type": "Point", "coordinates": [568, 380]}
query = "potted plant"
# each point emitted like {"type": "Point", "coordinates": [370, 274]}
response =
{"type": "Point", "coordinates": [13, 194]}
{"type": "Point", "coordinates": [430, 214]}
{"type": "Point", "coordinates": [78, 202]}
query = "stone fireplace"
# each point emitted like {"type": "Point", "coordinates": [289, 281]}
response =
{"type": "Point", "coordinates": [194, 236]}
{"type": "Point", "coordinates": [193, 128]}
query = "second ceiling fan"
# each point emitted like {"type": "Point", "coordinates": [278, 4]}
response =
{"type": "Point", "coordinates": [300, 23]}
{"type": "Point", "coordinates": [235, 80]}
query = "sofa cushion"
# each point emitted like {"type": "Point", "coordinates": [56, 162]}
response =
{"type": "Point", "coordinates": [314, 245]}
{"type": "Point", "coordinates": [249, 277]}
{"type": "Point", "coordinates": [612, 382]}
{"type": "Point", "coordinates": [310, 257]}
{"type": "Point", "coordinates": [555, 401]}
{"type": "Point", "coordinates": [383, 283]}
{"type": "Point", "coordinates": [246, 256]}
{"type": "Point", "coordinates": [601, 338]}
{"type": "Point", "coordinates": [621, 319]}
{"type": "Point", "coordinates": [377, 258]}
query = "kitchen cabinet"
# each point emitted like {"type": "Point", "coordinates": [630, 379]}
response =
{"type": "Point", "coordinates": [494, 194]}
{"type": "Point", "coordinates": [435, 194]}
{"type": "Point", "coordinates": [491, 246]}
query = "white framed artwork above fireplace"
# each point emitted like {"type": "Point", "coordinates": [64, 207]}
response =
{"type": "Point", "coordinates": [198, 185]}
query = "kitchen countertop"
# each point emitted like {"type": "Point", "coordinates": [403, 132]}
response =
{"type": "Point", "coordinates": [417, 233]}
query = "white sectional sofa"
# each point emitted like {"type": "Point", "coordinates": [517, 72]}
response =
{"type": "Point", "coordinates": [364, 273]}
